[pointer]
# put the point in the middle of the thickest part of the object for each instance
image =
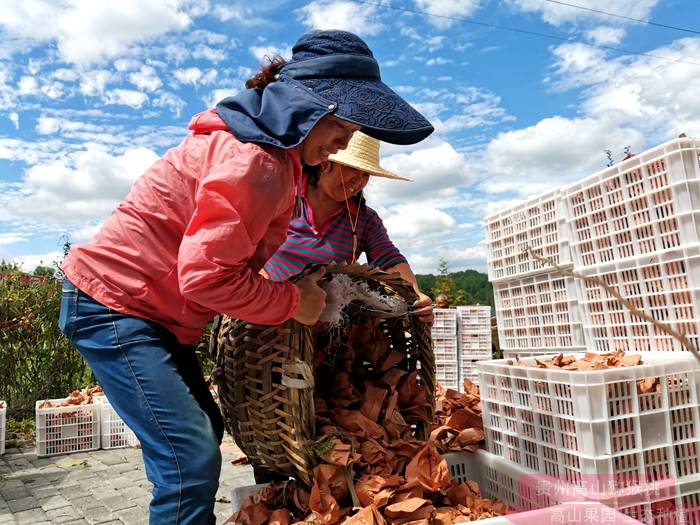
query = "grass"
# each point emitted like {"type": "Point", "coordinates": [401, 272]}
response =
{"type": "Point", "coordinates": [20, 433]}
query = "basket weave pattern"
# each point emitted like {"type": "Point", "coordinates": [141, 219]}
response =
{"type": "Point", "coordinates": [266, 384]}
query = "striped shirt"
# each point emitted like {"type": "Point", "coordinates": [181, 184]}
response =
{"type": "Point", "coordinates": [332, 242]}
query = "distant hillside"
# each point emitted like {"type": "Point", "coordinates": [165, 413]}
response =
{"type": "Point", "coordinates": [475, 286]}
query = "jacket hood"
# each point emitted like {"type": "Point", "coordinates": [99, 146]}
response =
{"type": "Point", "coordinates": [206, 122]}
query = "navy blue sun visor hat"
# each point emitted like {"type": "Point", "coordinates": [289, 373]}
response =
{"type": "Point", "coordinates": [331, 72]}
{"type": "Point", "coordinates": [339, 67]}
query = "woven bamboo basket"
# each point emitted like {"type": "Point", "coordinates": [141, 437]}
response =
{"type": "Point", "coordinates": [265, 376]}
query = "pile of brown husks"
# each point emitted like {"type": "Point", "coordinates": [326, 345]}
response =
{"type": "Point", "coordinates": [372, 470]}
{"type": "Point", "coordinates": [591, 361]}
{"type": "Point", "coordinates": [77, 397]}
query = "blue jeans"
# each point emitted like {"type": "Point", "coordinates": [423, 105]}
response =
{"type": "Point", "coordinates": [156, 386]}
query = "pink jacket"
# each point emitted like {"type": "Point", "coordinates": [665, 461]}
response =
{"type": "Point", "coordinates": [188, 240]}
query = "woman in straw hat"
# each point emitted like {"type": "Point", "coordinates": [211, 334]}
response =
{"type": "Point", "coordinates": [332, 222]}
{"type": "Point", "coordinates": [188, 242]}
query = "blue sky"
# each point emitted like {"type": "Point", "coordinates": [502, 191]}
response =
{"type": "Point", "coordinates": [92, 91]}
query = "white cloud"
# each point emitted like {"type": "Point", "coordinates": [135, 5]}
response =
{"type": "Point", "coordinates": [195, 76]}
{"type": "Point", "coordinates": [126, 64]}
{"type": "Point", "coordinates": [87, 184]}
{"type": "Point", "coordinates": [551, 153]}
{"type": "Point", "coordinates": [264, 54]}
{"type": "Point", "coordinates": [605, 35]}
{"type": "Point", "coordinates": [654, 96]}
{"type": "Point", "coordinates": [94, 82]}
{"type": "Point", "coordinates": [53, 90]}
{"type": "Point", "coordinates": [8, 238]}
{"type": "Point", "coordinates": [436, 171]}
{"type": "Point", "coordinates": [558, 14]}
{"type": "Point", "coordinates": [209, 53]}
{"type": "Point", "coordinates": [65, 75]}
{"type": "Point", "coordinates": [416, 221]}
{"type": "Point", "coordinates": [85, 233]}
{"type": "Point", "coordinates": [126, 97]}
{"type": "Point", "coordinates": [460, 108]}
{"type": "Point", "coordinates": [243, 13]}
{"type": "Point", "coordinates": [14, 118]}
{"type": "Point", "coordinates": [341, 14]}
{"type": "Point", "coordinates": [434, 43]}
{"type": "Point", "coordinates": [145, 78]}
{"type": "Point", "coordinates": [88, 31]}
{"type": "Point", "coordinates": [28, 263]}
{"type": "Point", "coordinates": [444, 11]}
{"type": "Point", "coordinates": [71, 128]}
{"type": "Point", "coordinates": [578, 65]}
{"type": "Point", "coordinates": [438, 61]}
{"type": "Point", "coordinates": [191, 75]}
{"type": "Point", "coordinates": [27, 86]}
{"type": "Point", "coordinates": [47, 125]}
{"type": "Point", "coordinates": [171, 102]}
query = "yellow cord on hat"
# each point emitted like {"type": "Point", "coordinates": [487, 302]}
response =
{"type": "Point", "coordinates": [353, 227]}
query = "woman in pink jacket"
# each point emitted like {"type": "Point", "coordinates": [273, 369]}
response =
{"type": "Point", "coordinates": [189, 239]}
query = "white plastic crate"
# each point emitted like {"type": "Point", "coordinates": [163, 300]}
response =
{"type": "Point", "coordinates": [537, 223]}
{"type": "Point", "coordinates": [445, 323]}
{"type": "Point", "coordinates": [576, 425]}
{"type": "Point", "coordinates": [660, 503]}
{"type": "Point", "coordinates": [654, 503]}
{"type": "Point", "coordinates": [539, 313]}
{"type": "Point", "coordinates": [113, 431]}
{"type": "Point", "coordinates": [665, 285]}
{"type": "Point", "coordinates": [474, 317]}
{"type": "Point", "coordinates": [445, 349]}
{"type": "Point", "coordinates": [3, 424]}
{"type": "Point", "coordinates": [468, 370]}
{"type": "Point", "coordinates": [447, 374]}
{"type": "Point", "coordinates": [513, 354]}
{"type": "Point", "coordinates": [475, 346]}
{"type": "Point", "coordinates": [526, 493]}
{"type": "Point", "coordinates": [64, 430]}
{"type": "Point", "coordinates": [646, 204]}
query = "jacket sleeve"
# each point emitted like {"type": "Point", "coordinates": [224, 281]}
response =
{"type": "Point", "coordinates": [380, 250]}
{"type": "Point", "coordinates": [235, 203]}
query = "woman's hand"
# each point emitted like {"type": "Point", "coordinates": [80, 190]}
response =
{"type": "Point", "coordinates": [312, 299]}
{"type": "Point", "coordinates": [423, 308]}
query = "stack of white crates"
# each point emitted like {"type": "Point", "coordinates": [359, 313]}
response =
{"type": "Point", "coordinates": [445, 344]}
{"type": "Point", "coordinates": [536, 309]}
{"type": "Point", "coordinates": [634, 226]}
{"type": "Point", "coordinates": [474, 340]}
{"type": "Point", "coordinates": [598, 434]}
{"type": "Point", "coordinates": [461, 337]}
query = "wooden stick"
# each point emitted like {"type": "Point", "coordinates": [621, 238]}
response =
{"type": "Point", "coordinates": [623, 300]}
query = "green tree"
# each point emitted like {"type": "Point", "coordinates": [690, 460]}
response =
{"type": "Point", "coordinates": [473, 284]}
{"type": "Point", "coordinates": [36, 361]}
{"type": "Point", "coordinates": [44, 271]}
{"type": "Point", "coordinates": [445, 284]}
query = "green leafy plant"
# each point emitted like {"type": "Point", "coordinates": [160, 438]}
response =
{"type": "Point", "coordinates": [36, 360]}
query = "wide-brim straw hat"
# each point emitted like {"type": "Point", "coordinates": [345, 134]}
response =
{"type": "Point", "coordinates": [363, 153]}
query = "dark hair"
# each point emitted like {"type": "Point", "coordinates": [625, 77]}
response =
{"type": "Point", "coordinates": [267, 73]}
{"type": "Point", "coordinates": [313, 173]}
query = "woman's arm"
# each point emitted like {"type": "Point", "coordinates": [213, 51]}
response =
{"type": "Point", "coordinates": [423, 307]}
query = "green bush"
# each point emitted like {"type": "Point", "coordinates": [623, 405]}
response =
{"type": "Point", "coordinates": [36, 360]}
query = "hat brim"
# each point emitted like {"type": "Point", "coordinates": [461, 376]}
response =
{"type": "Point", "coordinates": [370, 103]}
{"type": "Point", "coordinates": [372, 170]}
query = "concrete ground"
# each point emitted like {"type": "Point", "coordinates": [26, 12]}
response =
{"type": "Point", "coordinates": [104, 486]}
